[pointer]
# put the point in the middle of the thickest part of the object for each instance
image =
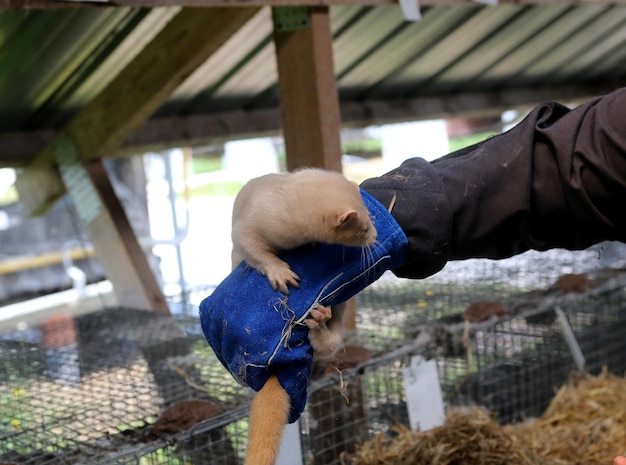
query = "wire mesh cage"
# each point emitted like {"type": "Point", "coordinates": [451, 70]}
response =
{"type": "Point", "coordinates": [509, 363]}
{"type": "Point", "coordinates": [36, 252]}
{"type": "Point", "coordinates": [399, 309]}
{"type": "Point", "coordinates": [111, 385]}
{"type": "Point", "coordinates": [219, 440]}
{"type": "Point", "coordinates": [513, 366]}
{"type": "Point", "coordinates": [132, 386]}
{"type": "Point", "coordinates": [350, 405]}
{"type": "Point", "coordinates": [519, 327]}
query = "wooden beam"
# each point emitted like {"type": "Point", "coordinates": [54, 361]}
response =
{"type": "Point", "coordinates": [309, 102]}
{"type": "Point", "coordinates": [38, 185]}
{"type": "Point", "coordinates": [178, 50]}
{"type": "Point", "coordinates": [307, 89]}
{"type": "Point", "coordinates": [20, 148]}
{"type": "Point", "coordinates": [175, 52]}
{"type": "Point", "coordinates": [56, 4]}
{"type": "Point", "coordinates": [183, 44]}
{"type": "Point", "coordinates": [117, 248]}
{"type": "Point", "coordinates": [104, 219]}
{"type": "Point", "coordinates": [202, 129]}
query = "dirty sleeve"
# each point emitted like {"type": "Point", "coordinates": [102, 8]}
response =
{"type": "Point", "coordinates": [555, 180]}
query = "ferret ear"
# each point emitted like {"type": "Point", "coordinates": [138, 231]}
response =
{"type": "Point", "coordinates": [347, 217]}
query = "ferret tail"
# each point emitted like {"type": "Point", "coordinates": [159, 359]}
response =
{"type": "Point", "coordinates": [269, 413]}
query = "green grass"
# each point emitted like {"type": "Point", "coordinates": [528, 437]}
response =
{"type": "Point", "coordinates": [10, 196]}
{"type": "Point", "coordinates": [459, 143]}
{"type": "Point", "coordinates": [206, 164]}
{"type": "Point", "coordinates": [362, 146]}
{"type": "Point", "coordinates": [368, 147]}
{"type": "Point", "coordinates": [229, 188]}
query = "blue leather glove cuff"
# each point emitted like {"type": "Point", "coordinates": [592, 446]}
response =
{"type": "Point", "coordinates": [256, 331]}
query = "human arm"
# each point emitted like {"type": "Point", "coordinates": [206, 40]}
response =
{"type": "Point", "coordinates": [557, 179]}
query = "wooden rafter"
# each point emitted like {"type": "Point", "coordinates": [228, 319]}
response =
{"type": "Point", "coordinates": [20, 148]}
{"type": "Point", "coordinates": [186, 42]}
{"type": "Point", "coordinates": [309, 102]}
{"type": "Point", "coordinates": [118, 250]}
{"type": "Point", "coordinates": [56, 4]}
{"type": "Point", "coordinates": [308, 92]}
{"type": "Point", "coordinates": [183, 44]}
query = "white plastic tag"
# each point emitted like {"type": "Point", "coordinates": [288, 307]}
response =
{"type": "Point", "coordinates": [411, 10]}
{"type": "Point", "coordinates": [290, 452]}
{"type": "Point", "coordinates": [423, 394]}
{"type": "Point", "coordinates": [570, 338]}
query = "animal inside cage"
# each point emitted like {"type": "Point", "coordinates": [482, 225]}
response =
{"type": "Point", "coordinates": [399, 309]}
{"type": "Point", "coordinates": [511, 364]}
{"type": "Point", "coordinates": [131, 386]}
{"type": "Point", "coordinates": [350, 405]}
{"type": "Point", "coordinates": [112, 387]}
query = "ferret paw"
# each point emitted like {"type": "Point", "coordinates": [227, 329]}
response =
{"type": "Point", "coordinates": [319, 316]}
{"type": "Point", "coordinates": [325, 341]}
{"type": "Point", "coordinates": [281, 278]}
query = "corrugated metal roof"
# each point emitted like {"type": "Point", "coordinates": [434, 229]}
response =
{"type": "Point", "coordinates": [52, 62]}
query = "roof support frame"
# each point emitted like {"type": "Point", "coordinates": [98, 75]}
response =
{"type": "Point", "coordinates": [56, 4]}
{"type": "Point", "coordinates": [309, 100]}
{"type": "Point", "coordinates": [131, 97]}
{"type": "Point", "coordinates": [309, 103]}
{"type": "Point", "coordinates": [20, 148]}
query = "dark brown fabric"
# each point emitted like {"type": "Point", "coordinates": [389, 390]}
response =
{"type": "Point", "coordinates": [558, 179]}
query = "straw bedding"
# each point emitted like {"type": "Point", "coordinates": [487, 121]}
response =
{"type": "Point", "coordinates": [585, 424]}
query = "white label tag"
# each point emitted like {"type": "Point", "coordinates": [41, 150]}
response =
{"type": "Point", "coordinates": [411, 10]}
{"type": "Point", "coordinates": [290, 452]}
{"type": "Point", "coordinates": [423, 394]}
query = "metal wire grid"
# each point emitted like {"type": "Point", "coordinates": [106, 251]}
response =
{"type": "Point", "coordinates": [56, 231]}
{"type": "Point", "coordinates": [334, 419]}
{"type": "Point", "coordinates": [348, 408]}
{"type": "Point", "coordinates": [599, 324]}
{"type": "Point", "coordinates": [221, 440]}
{"type": "Point", "coordinates": [513, 367]}
{"type": "Point", "coordinates": [398, 310]}
{"type": "Point", "coordinates": [92, 398]}
{"type": "Point", "coordinates": [92, 389]}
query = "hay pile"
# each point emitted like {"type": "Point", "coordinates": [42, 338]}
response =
{"type": "Point", "coordinates": [585, 424]}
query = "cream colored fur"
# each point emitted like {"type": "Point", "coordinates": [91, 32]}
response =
{"type": "Point", "coordinates": [278, 212]}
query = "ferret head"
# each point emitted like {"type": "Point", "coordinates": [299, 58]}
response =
{"type": "Point", "coordinates": [348, 218]}
{"type": "Point", "coordinates": [353, 227]}
{"type": "Point", "coordinates": [329, 196]}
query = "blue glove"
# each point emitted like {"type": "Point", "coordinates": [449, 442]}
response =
{"type": "Point", "coordinates": [256, 331]}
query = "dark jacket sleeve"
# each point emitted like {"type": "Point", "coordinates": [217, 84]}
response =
{"type": "Point", "coordinates": [557, 179]}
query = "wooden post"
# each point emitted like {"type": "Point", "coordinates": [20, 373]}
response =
{"type": "Point", "coordinates": [118, 249]}
{"type": "Point", "coordinates": [307, 87]}
{"type": "Point", "coordinates": [105, 221]}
